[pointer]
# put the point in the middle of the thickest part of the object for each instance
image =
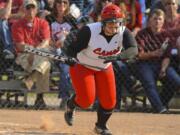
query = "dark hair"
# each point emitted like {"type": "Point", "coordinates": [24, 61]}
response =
{"type": "Point", "coordinates": [54, 10]}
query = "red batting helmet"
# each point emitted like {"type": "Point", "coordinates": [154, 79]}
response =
{"type": "Point", "coordinates": [111, 13]}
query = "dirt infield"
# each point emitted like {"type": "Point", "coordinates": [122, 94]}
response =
{"type": "Point", "coordinates": [27, 122]}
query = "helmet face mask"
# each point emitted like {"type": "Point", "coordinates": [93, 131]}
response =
{"type": "Point", "coordinates": [113, 20]}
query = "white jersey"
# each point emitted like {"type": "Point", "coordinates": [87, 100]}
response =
{"type": "Point", "coordinates": [58, 28]}
{"type": "Point", "coordinates": [98, 46]}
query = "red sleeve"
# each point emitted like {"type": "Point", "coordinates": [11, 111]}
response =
{"type": "Point", "coordinates": [139, 15]}
{"type": "Point", "coordinates": [17, 33]}
{"type": "Point", "coordinates": [45, 30]}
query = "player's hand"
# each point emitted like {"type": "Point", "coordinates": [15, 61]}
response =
{"type": "Point", "coordinates": [109, 58]}
{"type": "Point", "coordinates": [70, 61]}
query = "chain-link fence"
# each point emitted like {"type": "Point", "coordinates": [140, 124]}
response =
{"type": "Point", "coordinates": [134, 92]}
{"type": "Point", "coordinates": [131, 94]}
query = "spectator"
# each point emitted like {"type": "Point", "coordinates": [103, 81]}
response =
{"type": "Point", "coordinates": [133, 14]}
{"type": "Point", "coordinates": [172, 25]}
{"type": "Point", "coordinates": [60, 28]}
{"type": "Point", "coordinates": [35, 32]}
{"type": "Point", "coordinates": [173, 84]}
{"type": "Point", "coordinates": [172, 19]}
{"type": "Point", "coordinates": [9, 12]}
{"type": "Point", "coordinates": [160, 4]}
{"type": "Point", "coordinates": [151, 54]}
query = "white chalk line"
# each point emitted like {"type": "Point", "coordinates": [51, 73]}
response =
{"type": "Point", "coordinates": [8, 125]}
{"type": "Point", "coordinates": [16, 124]}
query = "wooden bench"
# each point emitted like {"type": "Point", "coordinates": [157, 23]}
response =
{"type": "Point", "coordinates": [13, 89]}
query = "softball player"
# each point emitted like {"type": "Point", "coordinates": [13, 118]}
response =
{"type": "Point", "coordinates": [98, 44]}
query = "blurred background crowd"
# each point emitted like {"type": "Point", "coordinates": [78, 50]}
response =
{"type": "Point", "coordinates": [52, 25]}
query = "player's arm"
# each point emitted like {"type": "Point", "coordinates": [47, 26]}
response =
{"type": "Point", "coordinates": [130, 46]}
{"type": "Point", "coordinates": [81, 43]}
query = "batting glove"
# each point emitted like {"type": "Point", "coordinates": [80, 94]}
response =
{"type": "Point", "coordinates": [70, 61]}
{"type": "Point", "coordinates": [110, 58]}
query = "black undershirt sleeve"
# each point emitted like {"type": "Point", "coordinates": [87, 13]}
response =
{"type": "Point", "coordinates": [81, 43]}
{"type": "Point", "coordinates": [128, 39]}
{"type": "Point", "coordinates": [129, 45]}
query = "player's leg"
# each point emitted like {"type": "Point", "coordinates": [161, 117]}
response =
{"type": "Point", "coordinates": [106, 92]}
{"type": "Point", "coordinates": [84, 86]}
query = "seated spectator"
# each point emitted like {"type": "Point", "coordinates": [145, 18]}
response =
{"type": "Point", "coordinates": [35, 32]}
{"type": "Point", "coordinates": [160, 4]}
{"type": "Point", "coordinates": [9, 12]}
{"type": "Point", "coordinates": [173, 85]}
{"type": "Point", "coordinates": [71, 17]}
{"type": "Point", "coordinates": [60, 28]}
{"type": "Point", "coordinates": [151, 54]}
{"type": "Point", "coordinates": [172, 20]}
{"type": "Point", "coordinates": [172, 26]}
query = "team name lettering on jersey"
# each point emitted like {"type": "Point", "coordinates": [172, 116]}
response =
{"type": "Point", "coordinates": [102, 52]}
